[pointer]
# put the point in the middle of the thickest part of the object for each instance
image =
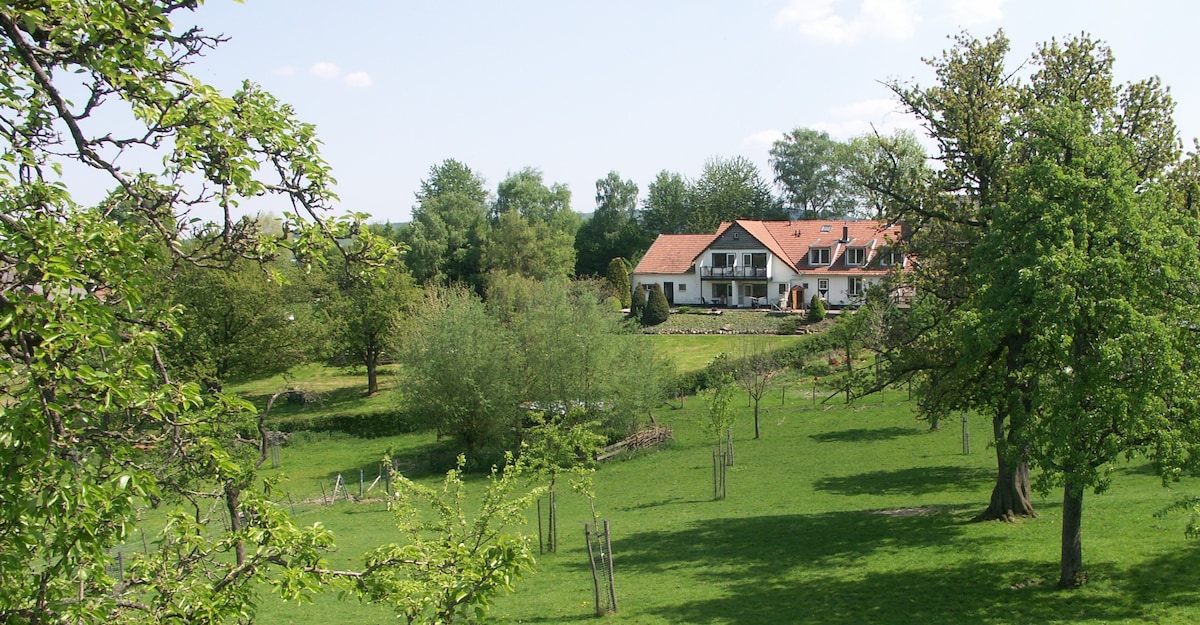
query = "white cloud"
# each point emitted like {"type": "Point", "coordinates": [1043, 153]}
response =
{"type": "Point", "coordinates": [763, 139]}
{"type": "Point", "coordinates": [358, 79]}
{"type": "Point", "coordinates": [284, 70]}
{"type": "Point", "coordinates": [325, 70]}
{"type": "Point", "coordinates": [820, 20]}
{"type": "Point", "coordinates": [972, 12]}
{"type": "Point", "coordinates": [881, 115]}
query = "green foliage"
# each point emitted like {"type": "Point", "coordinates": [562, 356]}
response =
{"type": "Point", "coordinates": [1054, 311]}
{"type": "Point", "coordinates": [730, 189]}
{"type": "Point", "coordinates": [657, 310]}
{"type": "Point", "coordinates": [529, 248]}
{"type": "Point", "coordinates": [451, 564]}
{"type": "Point", "coordinates": [470, 367]}
{"type": "Point", "coordinates": [245, 321]}
{"type": "Point", "coordinates": [618, 280]}
{"type": "Point", "coordinates": [668, 206]}
{"type": "Point", "coordinates": [789, 325]}
{"type": "Point", "coordinates": [807, 167]}
{"type": "Point", "coordinates": [560, 444]}
{"type": "Point", "coordinates": [816, 309]}
{"type": "Point", "coordinates": [613, 231]}
{"type": "Point", "coordinates": [94, 425]}
{"type": "Point", "coordinates": [450, 227]}
{"type": "Point", "coordinates": [362, 312]}
{"type": "Point", "coordinates": [638, 304]}
{"type": "Point", "coordinates": [719, 416]}
{"type": "Point", "coordinates": [461, 371]}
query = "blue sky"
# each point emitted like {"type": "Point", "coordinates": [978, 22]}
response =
{"type": "Point", "coordinates": [578, 89]}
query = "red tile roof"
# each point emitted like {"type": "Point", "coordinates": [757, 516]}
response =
{"type": "Point", "coordinates": [674, 253]}
{"type": "Point", "coordinates": [787, 240]}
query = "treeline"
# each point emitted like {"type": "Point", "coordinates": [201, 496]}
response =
{"type": "Point", "coordinates": [461, 232]}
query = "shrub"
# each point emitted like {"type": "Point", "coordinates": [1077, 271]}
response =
{"type": "Point", "coordinates": [789, 325]}
{"type": "Point", "coordinates": [613, 303]}
{"type": "Point", "coordinates": [638, 303]}
{"type": "Point", "coordinates": [618, 279]}
{"type": "Point", "coordinates": [657, 310]}
{"type": "Point", "coordinates": [816, 309]}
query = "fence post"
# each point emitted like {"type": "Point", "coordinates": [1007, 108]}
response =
{"type": "Point", "coordinates": [612, 582]}
{"type": "Point", "coordinates": [587, 533]}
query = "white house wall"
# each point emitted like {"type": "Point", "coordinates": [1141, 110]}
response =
{"type": "Point", "coordinates": [689, 296]}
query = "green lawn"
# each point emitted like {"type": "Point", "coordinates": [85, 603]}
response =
{"type": "Point", "coordinates": [839, 514]}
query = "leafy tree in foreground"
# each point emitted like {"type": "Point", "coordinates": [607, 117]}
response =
{"type": "Point", "coordinates": [452, 562]}
{"type": "Point", "coordinates": [1077, 325]}
{"type": "Point", "coordinates": [93, 425]}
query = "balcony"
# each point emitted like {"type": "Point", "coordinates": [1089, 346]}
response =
{"type": "Point", "coordinates": [733, 273]}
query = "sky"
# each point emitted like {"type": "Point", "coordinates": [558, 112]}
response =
{"type": "Point", "coordinates": [578, 89]}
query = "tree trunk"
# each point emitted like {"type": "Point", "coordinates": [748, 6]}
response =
{"type": "Point", "coordinates": [372, 362]}
{"type": "Point", "coordinates": [232, 504]}
{"type": "Point", "coordinates": [1011, 494]}
{"type": "Point", "coordinates": [1072, 537]}
{"type": "Point", "coordinates": [756, 418]}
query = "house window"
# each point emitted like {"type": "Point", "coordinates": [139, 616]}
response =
{"type": "Point", "coordinates": [681, 287]}
{"type": "Point", "coordinates": [818, 256]}
{"type": "Point", "coordinates": [754, 290]}
{"type": "Point", "coordinates": [823, 286]}
{"type": "Point", "coordinates": [856, 287]}
{"type": "Point", "coordinates": [825, 228]}
{"type": "Point", "coordinates": [856, 256]}
{"type": "Point", "coordinates": [889, 257]}
{"type": "Point", "coordinates": [745, 260]}
{"type": "Point", "coordinates": [782, 288]}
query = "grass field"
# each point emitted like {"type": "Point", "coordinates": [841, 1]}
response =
{"type": "Point", "coordinates": [838, 514]}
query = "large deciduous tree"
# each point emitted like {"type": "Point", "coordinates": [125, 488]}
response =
{"type": "Point", "coordinates": [363, 312]}
{"type": "Point", "coordinates": [730, 189]}
{"type": "Point", "coordinates": [965, 112]}
{"type": "Point", "coordinates": [449, 227]}
{"type": "Point", "coordinates": [808, 169]}
{"type": "Point", "coordinates": [243, 322]}
{"type": "Point", "coordinates": [533, 228]}
{"type": "Point", "coordinates": [94, 425]}
{"type": "Point", "coordinates": [1074, 323]}
{"type": "Point", "coordinates": [613, 230]}
{"type": "Point", "coordinates": [667, 206]}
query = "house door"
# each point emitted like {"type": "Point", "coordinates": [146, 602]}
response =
{"type": "Point", "coordinates": [669, 291]}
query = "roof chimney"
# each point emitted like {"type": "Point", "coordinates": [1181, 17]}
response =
{"type": "Point", "coordinates": [845, 233]}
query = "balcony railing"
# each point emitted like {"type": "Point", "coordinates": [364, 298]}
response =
{"type": "Point", "coordinates": [734, 273]}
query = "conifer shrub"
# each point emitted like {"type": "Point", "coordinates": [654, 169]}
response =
{"type": "Point", "coordinates": [816, 309]}
{"type": "Point", "coordinates": [618, 280]}
{"type": "Point", "coordinates": [657, 310]}
{"type": "Point", "coordinates": [638, 303]}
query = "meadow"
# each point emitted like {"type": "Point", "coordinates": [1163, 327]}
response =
{"type": "Point", "coordinates": [840, 513]}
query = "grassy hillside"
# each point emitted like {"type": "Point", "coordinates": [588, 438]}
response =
{"type": "Point", "coordinates": [838, 514]}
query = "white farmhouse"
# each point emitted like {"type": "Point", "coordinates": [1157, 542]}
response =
{"type": "Point", "coordinates": [751, 264]}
